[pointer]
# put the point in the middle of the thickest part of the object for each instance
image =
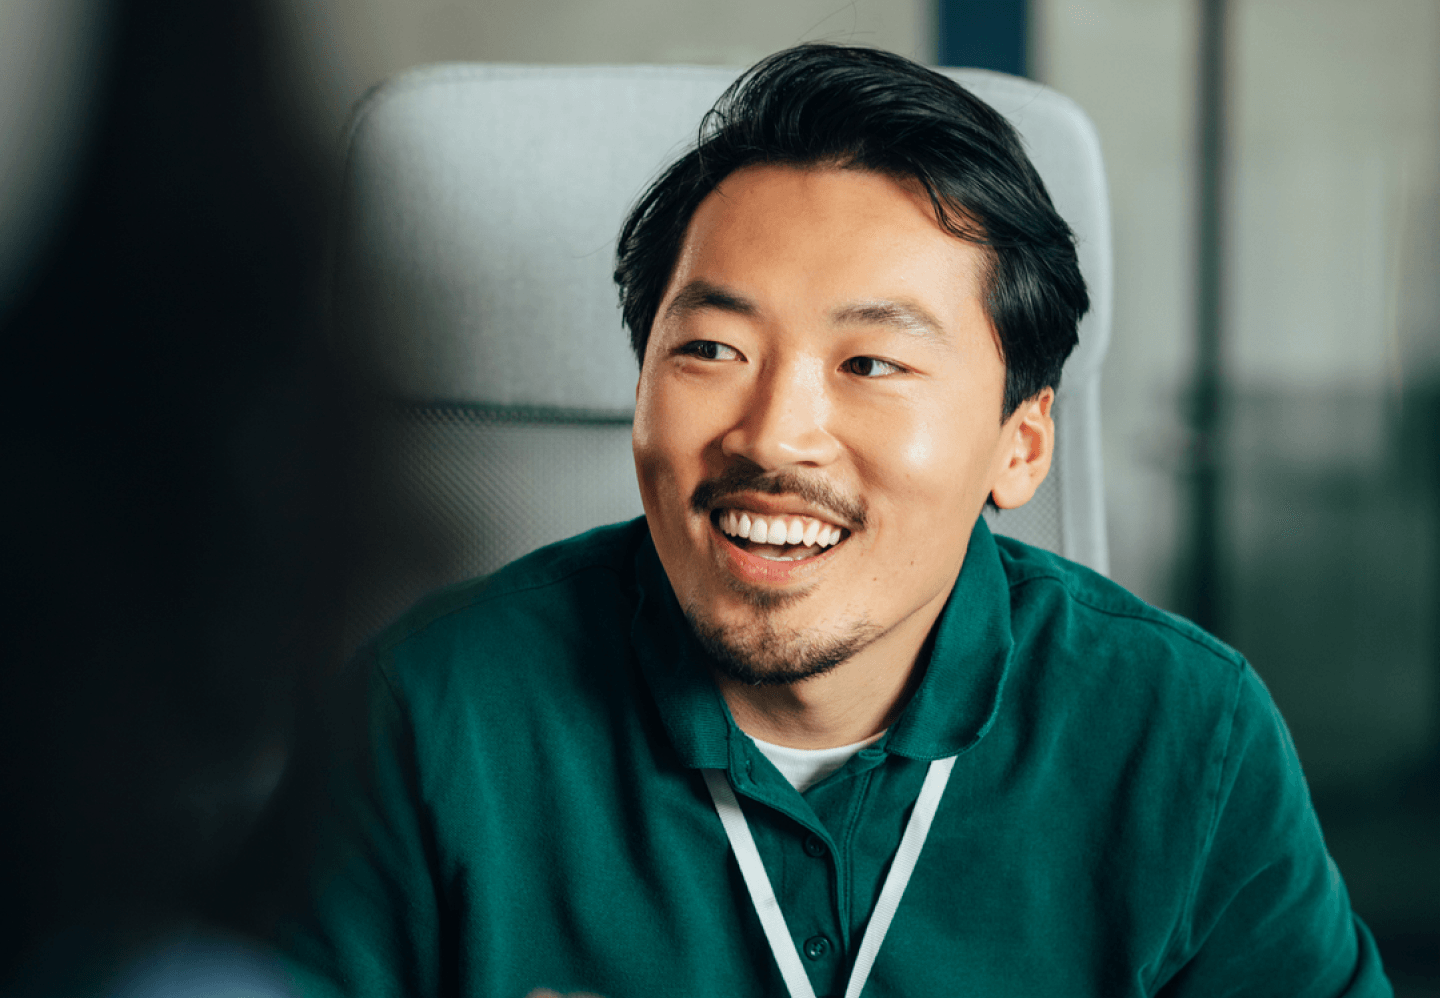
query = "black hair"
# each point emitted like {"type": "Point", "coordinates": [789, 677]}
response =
{"type": "Point", "coordinates": [861, 108]}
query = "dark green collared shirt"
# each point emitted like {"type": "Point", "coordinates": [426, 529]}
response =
{"type": "Point", "coordinates": [1127, 815]}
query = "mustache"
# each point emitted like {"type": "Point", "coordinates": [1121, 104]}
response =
{"type": "Point", "coordinates": [815, 491]}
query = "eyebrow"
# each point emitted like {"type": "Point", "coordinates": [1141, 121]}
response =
{"type": "Point", "coordinates": [901, 314]}
{"type": "Point", "coordinates": [700, 295]}
{"type": "Point", "coordinates": [906, 316]}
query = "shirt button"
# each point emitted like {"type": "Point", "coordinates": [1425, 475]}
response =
{"type": "Point", "coordinates": [816, 947]}
{"type": "Point", "coordinates": [814, 845]}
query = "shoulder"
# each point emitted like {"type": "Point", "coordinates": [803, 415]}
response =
{"type": "Point", "coordinates": [1044, 584]}
{"type": "Point", "coordinates": [1116, 662]}
{"type": "Point", "coordinates": [597, 557]}
{"type": "Point", "coordinates": [563, 596]}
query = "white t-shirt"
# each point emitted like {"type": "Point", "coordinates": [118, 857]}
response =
{"type": "Point", "coordinates": [806, 767]}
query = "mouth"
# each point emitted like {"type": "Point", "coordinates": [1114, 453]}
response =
{"type": "Point", "coordinates": [777, 537]}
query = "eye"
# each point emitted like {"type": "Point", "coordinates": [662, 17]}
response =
{"type": "Point", "coordinates": [709, 350]}
{"type": "Point", "coordinates": [871, 367]}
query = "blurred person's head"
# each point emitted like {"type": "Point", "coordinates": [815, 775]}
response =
{"type": "Point", "coordinates": [851, 304]}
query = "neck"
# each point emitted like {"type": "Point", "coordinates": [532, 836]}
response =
{"type": "Point", "coordinates": [856, 701]}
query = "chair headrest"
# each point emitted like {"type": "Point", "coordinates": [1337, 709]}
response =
{"type": "Point", "coordinates": [488, 198]}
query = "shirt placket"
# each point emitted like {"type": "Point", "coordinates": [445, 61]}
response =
{"type": "Point", "coordinates": [808, 844]}
{"type": "Point", "coordinates": [798, 853]}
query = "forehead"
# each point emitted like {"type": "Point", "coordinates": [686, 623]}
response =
{"type": "Point", "coordinates": [788, 238]}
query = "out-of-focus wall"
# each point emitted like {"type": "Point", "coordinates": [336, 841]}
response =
{"type": "Point", "coordinates": [1331, 331]}
{"type": "Point", "coordinates": [1328, 447]}
{"type": "Point", "coordinates": [1333, 321]}
{"type": "Point", "coordinates": [1131, 65]}
{"type": "Point", "coordinates": [1336, 130]}
{"type": "Point", "coordinates": [350, 45]}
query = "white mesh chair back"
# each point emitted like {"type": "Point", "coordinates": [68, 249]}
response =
{"type": "Point", "coordinates": [479, 210]}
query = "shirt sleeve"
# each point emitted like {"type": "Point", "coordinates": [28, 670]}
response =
{"type": "Point", "coordinates": [1268, 914]}
{"type": "Point", "coordinates": [370, 921]}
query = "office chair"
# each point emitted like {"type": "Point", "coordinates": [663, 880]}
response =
{"type": "Point", "coordinates": [478, 213]}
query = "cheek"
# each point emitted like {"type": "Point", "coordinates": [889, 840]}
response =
{"type": "Point", "coordinates": [907, 458]}
{"type": "Point", "coordinates": [929, 470]}
{"type": "Point", "coordinates": [668, 442]}
{"type": "Point", "coordinates": [918, 451]}
{"type": "Point", "coordinates": [653, 466]}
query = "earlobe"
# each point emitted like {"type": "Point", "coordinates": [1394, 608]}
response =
{"type": "Point", "coordinates": [1027, 445]}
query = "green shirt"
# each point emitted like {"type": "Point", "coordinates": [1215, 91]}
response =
{"type": "Point", "coordinates": [1127, 815]}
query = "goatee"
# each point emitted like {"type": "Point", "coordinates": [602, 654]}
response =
{"type": "Point", "coordinates": [762, 654]}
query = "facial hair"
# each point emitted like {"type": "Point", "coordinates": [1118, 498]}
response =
{"type": "Point", "coordinates": [762, 654]}
{"type": "Point", "coordinates": [748, 478]}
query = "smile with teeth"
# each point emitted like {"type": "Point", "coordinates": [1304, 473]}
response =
{"type": "Point", "coordinates": [779, 538]}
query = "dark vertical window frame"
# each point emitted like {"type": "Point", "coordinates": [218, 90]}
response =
{"type": "Point", "coordinates": [1204, 587]}
{"type": "Point", "coordinates": [984, 34]}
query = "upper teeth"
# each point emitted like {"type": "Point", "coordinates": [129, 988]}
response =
{"type": "Point", "coordinates": [779, 529]}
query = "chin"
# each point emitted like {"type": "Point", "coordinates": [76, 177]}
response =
{"type": "Point", "coordinates": [765, 652]}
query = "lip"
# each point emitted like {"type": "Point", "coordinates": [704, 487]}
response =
{"type": "Point", "coordinates": [760, 571]}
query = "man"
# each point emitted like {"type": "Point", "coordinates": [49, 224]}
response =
{"type": "Point", "coordinates": [808, 727]}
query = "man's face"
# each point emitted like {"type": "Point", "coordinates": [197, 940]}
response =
{"type": "Point", "coordinates": [818, 418]}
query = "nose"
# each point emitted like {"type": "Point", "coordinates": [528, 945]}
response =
{"type": "Point", "coordinates": [784, 420]}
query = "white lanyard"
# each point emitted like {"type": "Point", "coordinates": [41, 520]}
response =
{"type": "Point", "coordinates": [763, 895]}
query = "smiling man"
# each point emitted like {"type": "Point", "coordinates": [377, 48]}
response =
{"type": "Point", "coordinates": [808, 727]}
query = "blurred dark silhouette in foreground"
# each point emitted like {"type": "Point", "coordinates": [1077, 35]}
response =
{"type": "Point", "coordinates": [171, 516]}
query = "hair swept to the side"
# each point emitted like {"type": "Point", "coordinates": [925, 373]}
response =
{"type": "Point", "coordinates": [861, 108]}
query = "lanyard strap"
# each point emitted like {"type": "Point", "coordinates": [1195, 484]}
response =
{"type": "Point", "coordinates": [768, 908]}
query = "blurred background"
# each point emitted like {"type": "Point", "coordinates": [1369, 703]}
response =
{"type": "Point", "coordinates": [1271, 400]}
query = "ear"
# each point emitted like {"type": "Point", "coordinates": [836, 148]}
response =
{"type": "Point", "coordinates": [1027, 443]}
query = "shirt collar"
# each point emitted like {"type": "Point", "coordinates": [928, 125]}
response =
{"type": "Point", "coordinates": [950, 712]}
